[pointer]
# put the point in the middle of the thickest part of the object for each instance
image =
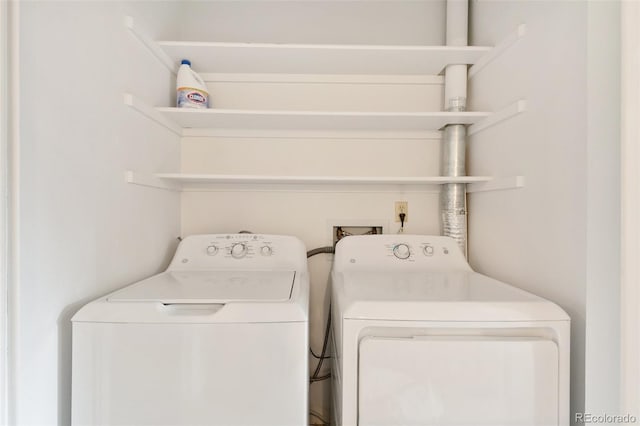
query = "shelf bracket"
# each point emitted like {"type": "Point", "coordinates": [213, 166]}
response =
{"type": "Point", "coordinates": [497, 117]}
{"type": "Point", "coordinates": [149, 43]}
{"type": "Point", "coordinates": [150, 181]}
{"type": "Point", "coordinates": [498, 50]}
{"type": "Point", "coordinates": [497, 184]}
{"type": "Point", "coordinates": [151, 113]}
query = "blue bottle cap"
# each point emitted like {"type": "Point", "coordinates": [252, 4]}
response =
{"type": "Point", "coordinates": [186, 61]}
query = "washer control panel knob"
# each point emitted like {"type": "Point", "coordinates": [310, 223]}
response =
{"type": "Point", "coordinates": [428, 250]}
{"type": "Point", "coordinates": [212, 250]}
{"type": "Point", "coordinates": [401, 251]}
{"type": "Point", "coordinates": [238, 250]}
{"type": "Point", "coordinates": [266, 251]}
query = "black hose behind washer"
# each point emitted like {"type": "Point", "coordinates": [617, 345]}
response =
{"type": "Point", "coordinates": [325, 344]}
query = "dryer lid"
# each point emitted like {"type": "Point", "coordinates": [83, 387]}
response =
{"type": "Point", "coordinates": [452, 286]}
{"type": "Point", "coordinates": [210, 287]}
{"type": "Point", "coordinates": [437, 296]}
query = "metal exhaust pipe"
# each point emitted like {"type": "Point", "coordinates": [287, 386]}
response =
{"type": "Point", "coordinates": [453, 196]}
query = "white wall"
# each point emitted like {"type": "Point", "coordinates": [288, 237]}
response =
{"type": "Point", "coordinates": [83, 230]}
{"type": "Point", "coordinates": [6, 41]}
{"type": "Point", "coordinates": [603, 322]}
{"type": "Point", "coordinates": [557, 237]}
{"type": "Point", "coordinates": [630, 195]}
{"type": "Point", "coordinates": [348, 22]}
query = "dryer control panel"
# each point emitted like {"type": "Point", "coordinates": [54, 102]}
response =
{"type": "Point", "coordinates": [420, 252]}
{"type": "Point", "coordinates": [245, 251]}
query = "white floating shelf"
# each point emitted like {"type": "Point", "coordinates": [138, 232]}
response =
{"type": "Point", "coordinates": [316, 180]}
{"type": "Point", "coordinates": [179, 181]}
{"type": "Point", "coordinates": [265, 58]}
{"type": "Point", "coordinates": [317, 120]}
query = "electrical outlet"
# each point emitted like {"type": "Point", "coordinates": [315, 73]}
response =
{"type": "Point", "coordinates": [402, 207]}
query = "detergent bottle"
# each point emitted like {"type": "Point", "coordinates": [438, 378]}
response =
{"type": "Point", "coordinates": [191, 89]}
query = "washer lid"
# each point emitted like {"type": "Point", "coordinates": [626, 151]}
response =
{"type": "Point", "coordinates": [210, 287]}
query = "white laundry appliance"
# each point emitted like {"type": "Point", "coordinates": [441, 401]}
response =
{"type": "Point", "coordinates": [421, 339]}
{"type": "Point", "coordinates": [219, 339]}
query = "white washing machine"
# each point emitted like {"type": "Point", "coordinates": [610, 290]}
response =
{"type": "Point", "coordinates": [219, 339]}
{"type": "Point", "coordinates": [421, 339]}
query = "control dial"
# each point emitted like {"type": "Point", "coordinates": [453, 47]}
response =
{"type": "Point", "coordinates": [212, 250]}
{"type": "Point", "coordinates": [266, 251]}
{"type": "Point", "coordinates": [401, 251]}
{"type": "Point", "coordinates": [238, 250]}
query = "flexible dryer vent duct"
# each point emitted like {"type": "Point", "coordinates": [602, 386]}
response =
{"type": "Point", "coordinates": [453, 197]}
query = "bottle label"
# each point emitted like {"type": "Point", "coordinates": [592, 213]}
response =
{"type": "Point", "coordinates": [192, 98]}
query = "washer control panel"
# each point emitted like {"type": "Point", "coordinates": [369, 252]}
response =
{"type": "Point", "coordinates": [421, 251]}
{"type": "Point", "coordinates": [237, 250]}
{"type": "Point", "coordinates": [240, 246]}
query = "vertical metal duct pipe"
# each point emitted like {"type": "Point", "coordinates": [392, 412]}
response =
{"type": "Point", "coordinates": [453, 196]}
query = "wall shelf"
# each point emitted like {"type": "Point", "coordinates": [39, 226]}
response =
{"type": "Point", "coordinates": [179, 119]}
{"type": "Point", "coordinates": [316, 120]}
{"type": "Point", "coordinates": [290, 58]}
{"type": "Point", "coordinates": [265, 58]}
{"type": "Point", "coordinates": [316, 180]}
{"type": "Point", "coordinates": [179, 181]}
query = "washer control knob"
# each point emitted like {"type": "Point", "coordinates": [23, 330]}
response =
{"type": "Point", "coordinates": [266, 251]}
{"type": "Point", "coordinates": [428, 250]}
{"type": "Point", "coordinates": [401, 251]}
{"type": "Point", "coordinates": [238, 250]}
{"type": "Point", "coordinates": [212, 250]}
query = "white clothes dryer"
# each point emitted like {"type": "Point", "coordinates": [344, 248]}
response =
{"type": "Point", "coordinates": [219, 339]}
{"type": "Point", "coordinates": [421, 339]}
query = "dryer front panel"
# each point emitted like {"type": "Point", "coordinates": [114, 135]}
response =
{"type": "Point", "coordinates": [457, 381]}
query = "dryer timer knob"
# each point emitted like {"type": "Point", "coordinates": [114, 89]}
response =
{"type": "Point", "coordinates": [401, 251]}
